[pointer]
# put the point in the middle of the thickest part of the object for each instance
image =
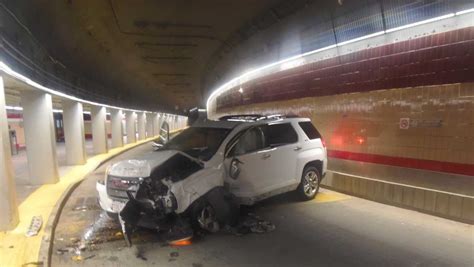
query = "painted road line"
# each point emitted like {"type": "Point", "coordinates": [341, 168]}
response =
{"type": "Point", "coordinates": [325, 195]}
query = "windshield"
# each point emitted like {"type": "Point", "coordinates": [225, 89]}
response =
{"type": "Point", "coordinates": [198, 142]}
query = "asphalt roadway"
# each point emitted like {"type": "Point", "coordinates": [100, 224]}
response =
{"type": "Point", "coordinates": [332, 230]}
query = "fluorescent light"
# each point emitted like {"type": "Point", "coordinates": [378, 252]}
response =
{"type": "Point", "coordinates": [13, 108]}
{"type": "Point", "coordinates": [6, 69]}
{"type": "Point", "coordinates": [465, 11]}
{"type": "Point", "coordinates": [57, 110]}
{"type": "Point", "coordinates": [421, 22]}
{"type": "Point", "coordinates": [227, 86]}
{"type": "Point", "coordinates": [361, 38]}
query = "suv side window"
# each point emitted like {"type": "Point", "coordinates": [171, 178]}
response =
{"type": "Point", "coordinates": [309, 130]}
{"type": "Point", "coordinates": [280, 134]}
{"type": "Point", "coordinates": [252, 140]}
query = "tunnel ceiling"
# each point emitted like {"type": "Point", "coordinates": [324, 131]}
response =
{"type": "Point", "coordinates": [152, 50]}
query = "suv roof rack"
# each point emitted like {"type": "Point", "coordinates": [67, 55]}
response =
{"type": "Point", "coordinates": [254, 117]}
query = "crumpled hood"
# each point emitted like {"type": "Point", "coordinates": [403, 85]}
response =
{"type": "Point", "coordinates": [140, 166]}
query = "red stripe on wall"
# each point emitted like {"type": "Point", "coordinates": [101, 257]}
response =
{"type": "Point", "coordinates": [14, 116]}
{"type": "Point", "coordinates": [89, 136]}
{"type": "Point", "coordinates": [422, 164]}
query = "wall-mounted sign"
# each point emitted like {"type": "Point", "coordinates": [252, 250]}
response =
{"type": "Point", "coordinates": [435, 123]}
{"type": "Point", "coordinates": [404, 123]}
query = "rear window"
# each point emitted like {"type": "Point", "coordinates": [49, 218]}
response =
{"type": "Point", "coordinates": [309, 130]}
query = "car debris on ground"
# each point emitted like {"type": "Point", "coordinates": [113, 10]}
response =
{"type": "Point", "coordinates": [251, 223]}
{"type": "Point", "coordinates": [35, 226]}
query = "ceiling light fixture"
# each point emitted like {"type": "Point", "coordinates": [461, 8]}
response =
{"type": "Point", "coordinates": [7, 70]}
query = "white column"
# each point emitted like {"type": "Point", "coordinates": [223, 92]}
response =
{"type": "Point", "coordinates": [74, 132]}
{"type": "Point", "coordinates": [116, 125]}
{"type": "Point", "coordinates": [150, 121]}
{"type": "Point", "coordinates": [99, 129]}
{"type": "Point", "coordinates": [156, 124]}
{"type": "Point", "coordinates": [40, 137]}
{"type": "Point", "coordinates": [8, 203]}
{"type": "Point", "coordinates": [131, 127]}
{"type": "Point", "coordinates": [141, 126]}
{"type": "Point", "coordinates": [171, 122]}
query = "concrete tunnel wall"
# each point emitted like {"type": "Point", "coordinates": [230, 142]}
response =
{"type": "Point", "coordinates": [394, 111]}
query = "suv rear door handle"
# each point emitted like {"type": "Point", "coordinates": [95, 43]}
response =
{"type": "Point", "coordinates": [297, 148]}
{"type": "Point", "coordinates": [266, 156]}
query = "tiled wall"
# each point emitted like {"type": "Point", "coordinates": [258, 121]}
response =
{"type": "Point", "coordinates": [366, 127]}
{"type": "Point", "coordinates": [442, 58]}
{"type": "Point", "coordinates": [408, 105]}
{"type": "Point", "coordinates": [441, 124]}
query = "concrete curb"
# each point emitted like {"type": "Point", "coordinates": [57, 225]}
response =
{"type": "Point", "coordinates": [46, 248]}
{"type": "Point", "coordinates": [439, 203]}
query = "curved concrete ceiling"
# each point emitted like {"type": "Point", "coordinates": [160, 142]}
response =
{"type": "Point", "coordinates": [152, 50]}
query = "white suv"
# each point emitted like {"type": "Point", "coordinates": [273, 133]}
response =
{"type": "Point", "coordinates": [212, 167]}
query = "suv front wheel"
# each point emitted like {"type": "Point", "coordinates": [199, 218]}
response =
{"type": "Point", "coordinates": [309, 185]}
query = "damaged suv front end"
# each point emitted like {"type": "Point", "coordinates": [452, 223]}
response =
{"type": "Point", "coordinates": [157, 190]}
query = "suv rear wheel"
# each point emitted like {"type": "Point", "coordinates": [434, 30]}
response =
{"type": "Point", "coordinates": [309, 185]}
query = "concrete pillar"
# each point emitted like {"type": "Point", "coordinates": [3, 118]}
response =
{"type": "Point", "coordinates": [74, 132]}
{"type": "Point", "coordinates": [130, 121]}
{"type": "Point", "coordinates": [40, 137]}
{"type": "Point", "coordinates": [150, 121]}
{"type": "Point", "coordinates": [116, 125]}
{"type": "Point", "coordinates": [141, 126]}
{"type": "Point", "coordinates": [171, 122]}
{"type": "Point", "coordinates": [99, 129]}
{"type": "Point", "coordinates": [8, 203]}
{"type": "Point", "coordinates": [156, 124]}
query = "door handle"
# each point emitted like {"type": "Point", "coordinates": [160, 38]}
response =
{"type": "Point", "coordinates": [266, 156]}
{"type": "Point", "coordinates": [297, 148]}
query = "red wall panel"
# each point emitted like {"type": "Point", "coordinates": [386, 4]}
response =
{"type": "Point", "coordinates": [431, 60]}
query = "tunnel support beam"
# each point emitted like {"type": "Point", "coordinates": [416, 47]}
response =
{"type": "Point", "coordinates": [99, 129]}
{"type": "Point", "coordinates": [40, 137]}
{"type": "Point", "coordinates": [150, 129]}
{"type": "Point", "coordinates": [131, 127]}
{"type": "Point", "coordinates": [74, 132]}
{"type": "Point", "coordinates": [156, 124]}
{"type": "Point", "coordinates": [116, 125]}
{"type": "Point", "coordinates": [141, 126]}
{"type": "Point", "coordinates": [8, 202]}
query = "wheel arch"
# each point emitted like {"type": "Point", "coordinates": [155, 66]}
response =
{"type": "Point", "coordinates": [318, 164]}
{"type": "Point", "coordinates": [221, 200]}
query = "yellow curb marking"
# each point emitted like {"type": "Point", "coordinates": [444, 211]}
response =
{"type": "Point", "coordinates": [15, 248]}
{"type": "Point", "coordinates": [330, 196]}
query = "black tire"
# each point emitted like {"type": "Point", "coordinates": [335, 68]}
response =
{"type": "Point", "coordinates": [203, 216]}
{"type": "Point", "coordinates": [217, 203]}
{"type": "Point", "coordinates": [309, 185]}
